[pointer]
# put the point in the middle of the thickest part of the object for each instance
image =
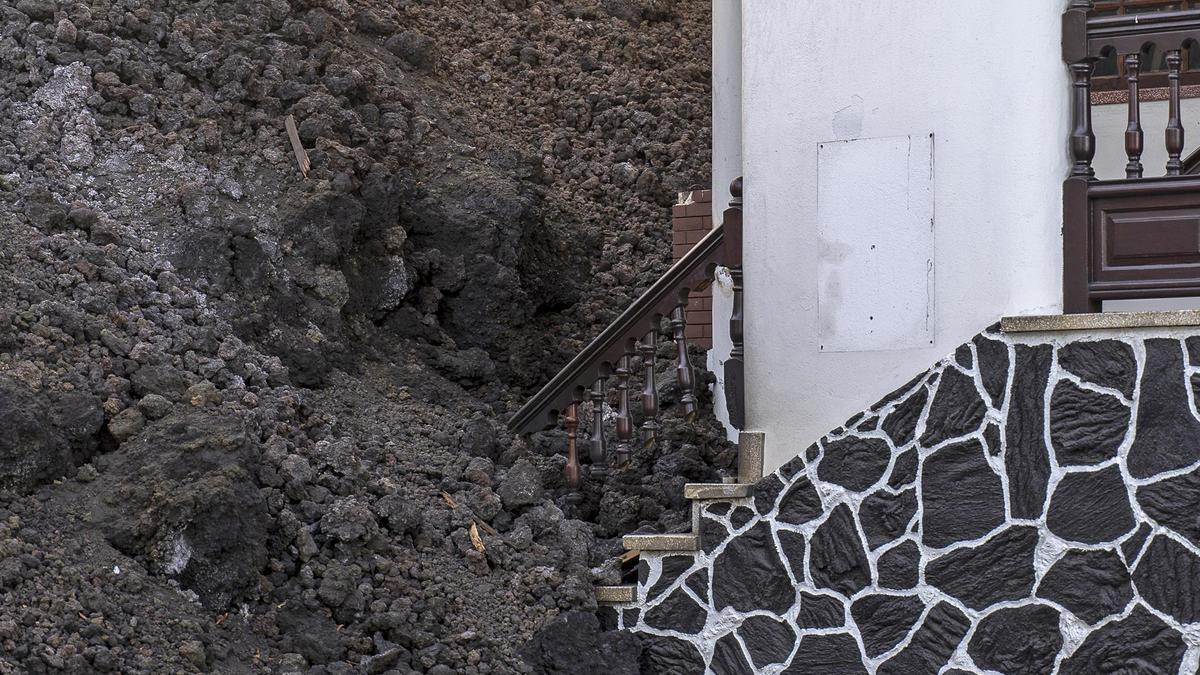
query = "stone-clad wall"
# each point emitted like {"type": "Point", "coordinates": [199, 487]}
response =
{"type": "Point", "coordinates": [1028, 505]}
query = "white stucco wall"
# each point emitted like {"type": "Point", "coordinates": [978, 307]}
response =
{"type": "Point", "coordinates": [987, 80]}
{"type": "Point", "coordinates": [726, 165]}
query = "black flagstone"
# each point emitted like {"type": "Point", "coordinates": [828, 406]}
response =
{"type": "Point", "coordinates": [749, 575]}
{"type": "Point", "coordinates": [899, 567]}
{"type": "Point", "coordinates": [768, 640]}
{"type": "Point", "coordinates": [1017, 640]}
{"type": "Point", "coordinates": [957, 409]}
{"type": "Point", "coordinates": [904, 471]}
{"type": "Point", "coordinates": [1026, 458]}
{"type": "Point", "coordinates": [854, 463]}
{"type": "Point", "coordinates": [672, 567]}
{"type": "Point", "coordinates": [740, 516]}
{"type": "Point", "coordinates": [885, 516]}
{"type": "Point", "coordinates": [1174, 503]}
{"type": "Point", "coordinates": [1139, 643]}
{"type": "Point", "coordinates": [698, 582]}
{"type": "Point", "coordinates": [933, 643]}
{"type": "Point", "coordinates": [1086, 427]}
{"type": "Point", "coordinates": [991, 439]}
{"type": "Point", "coordinates": [678, 612]}
{"type": "Point", "coordinates": [963, 497]}
{"type": "Point", "coordinates": [827, 655]}
{"type": "Point", "coordinates": [662, 654]}
{"type": "Point", "coordinates": [900, 425]}
{"type": "Point", "coordinates": [837, 560]}
{"type": "Point", "coordinates": [1168, 579]}
{"type": "Point", "coordinates": [800, 503]}
{"type": "Point", "coordinates": [1164, 418]}
{"type": "Point", "coordinates": [999, 569]}
{"type": "Point", "coordinates": [1108, 363]}
{"type": "Point", "coordinates": [884, 620]}
{"type": "Point", "coordinates": [1091, 584]}
{"type": "Point", "coordinates": [728, 657]}
{"type": "Point", "coordinates": [993, 368]}
{"type": "Point", "coordinates": [1091, 507]}
{"type": "Point", "coordinates": [1132, 546]}
{"type": "Point", "coordinates": [792, 544]}
{"type": "Point", "coordinates": [820, 611]}
{"type": "Point", "coordinates": [765, 492]}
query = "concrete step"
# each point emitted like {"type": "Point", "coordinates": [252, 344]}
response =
{"type": "Point", "coordinates": [660, 542]}
{"type": "Point", "coordinates": [716, 490]}
{"type": "Point", "coordinates": [615, 595]}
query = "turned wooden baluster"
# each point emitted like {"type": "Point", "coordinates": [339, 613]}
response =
{"type": "Point", "coordinates": [683, 369]}
{"type": "Point", "coordinates": [1133, 133]}
{"type": "Point", "coordinates": [735, 368]}
{"type": "Point", "coordinates": [648, 347]}
{"type": "Point", "coordinates": [571, 421]}
{"type": "Point", "coordinates": [624, 417]}
{"type": "Point", "coordinates": [1083, 141]}
{"type": "Point", "coordinates": [1174, 123]}
{"type": "Point", "coordinates": [599, 447]}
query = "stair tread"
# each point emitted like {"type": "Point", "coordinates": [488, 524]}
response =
{"type": "Point", "coordinates": [716, 490]}
{"type": "Point", "coordinates": [616, 594]}
{"type": "Point", "coordinates": [660, 542]}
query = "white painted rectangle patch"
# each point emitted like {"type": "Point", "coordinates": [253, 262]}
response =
{"type": "Point", "coordinates": [875, 266]}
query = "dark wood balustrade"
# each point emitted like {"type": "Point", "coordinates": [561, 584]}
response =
{"type": "Point", "coordinates": [605, 366]}
{"type": "Point", "coordinates": [1136, 237]}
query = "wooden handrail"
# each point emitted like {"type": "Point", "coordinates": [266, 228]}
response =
{"type": "Point", "coordinates": [693, 271]}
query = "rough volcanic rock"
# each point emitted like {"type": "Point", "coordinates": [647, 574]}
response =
{"type": "Point", "coordinates": [1091, 584]}
{"type": "Point", "coordinates": [1174, 503]}
{"type": "Point", "coordinates": [1026, 457]}
{"type": "Point", "coordinates": [792, 545]}
{"type": "Point", "coordinates": [1132, 546]}
{"type": "Point", "coordinates": [1163, 414]}
{"type": "Point", "coordinates": [899, 567]}
{"type": "Point", "coordinates": [1091, 507]}
{"type": "Point", "coordinates": [1168, 579]}
{"type": "Point", "coordinates": [663, 654]}
{"type": "Point", "coordinates": [885, 516]}
{"type": "Point", "coordinates": [800, 503]}
{"type": "Point", "coordinates": [962, 497]}
{"type": "Point", "coordinates": [1086, 427]}
{"type": "Point", "coordinates": [837, 560]}
{"type": "Point", "coordinates": [765, 492]}
{"type": "Point", "coordinates": [901, 423]}
{"type": "Point", "coordinates": [672, 567]}
{"type": "Point", "coordinates": [999, 569]}
{"type": "Point", "coordinates": [1139, 643]}
{"type": "Point", "coordinates": [904, 471]}
{"type": "Point", "coordinates": [855, 463]}
{"type": "Point", "coordinates": [728, 656]}
{"type": "Point", "coordinates": [956, 410]}
{"type": "Point", "coordinates": [712, 534]}
{"type": "Point", "coordinates": [820, 611]}
{"type": "Point", "coordinates": [768, 641]}
{"type": "Point", "coordinates": [835, 654]}
{"type": "Point", "coordinates": [748, 574]}
{"type": "Point", "coordinates": [31, 451]}
{"type": "Point", "coordinates": [1108, 363]}
{"type": "Point", "coordinates": [677, 612]}
{"type": "Point", "coordinates": [931, 646]}
{"type": "Point", "coordinates": [698, 582]}
{"type": "Point", "coordinates": [1018, 640]}
{"type": "Point", "coordinates": [993, 368]}
{"type": "Point", "coordinates": [572, 642]}
{"type": "Point", "coordinates": [885, 620]}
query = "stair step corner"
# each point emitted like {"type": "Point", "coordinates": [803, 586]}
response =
{"type": "Point", "coordinates": [616, 595]}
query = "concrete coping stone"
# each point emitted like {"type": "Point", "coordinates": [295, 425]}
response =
{"type": "Point", "coordinates": [613, 595]}
{"type": "Point", "coordinates": [1099, 321]}
{"type": "Point", "coordinates": [659, 542]}
{"type": "Point", "coordinates": [716, 490]}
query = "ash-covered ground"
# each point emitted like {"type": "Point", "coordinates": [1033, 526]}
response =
{"type": "Point", "coordinates": [253, 421]}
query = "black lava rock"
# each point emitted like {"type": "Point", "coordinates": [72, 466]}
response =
{"type": "Point", "coordinates": [800, 503]}
{"type": "Point", "coordinates": [901, 424]}
{"type": "Point", "coordinates": [573, 642]}
{"type": "Point", "coordinates": [885, 620]}
{"type": "Point", "coordinates": [1132, 546]}
{"type": "Point", "coordinates": [1139, 643]}
{"type": "Point", "coordinates": [1174, 503]}
{"type": "Point", "coordinates": [1091, 584]}
{"type": "Point", "coordinates": [1108, 363]}
{"type": "Point", "coordinates": [672, 567]}
{"type": "Point", "coordinates": [899, 567]}
{"type": "Point", "coordinates": [1166, 577]}
{"type": "Point", "coordinates": [765, 492]}
{"type": "Point", "coordinates": [904, 471]}
{"type": "Point", "coordinates": [1164, 417]}
{"type": "Point", "coordinates": [677, 612]}
{"type": "Point", "coordinates": [993, 368]}
{"type": "Point", "coordinates": [836, 654]}
{"type": "Point", "coordinates": [728, 656]}
{"type": "Point", "coordinates": [1091, 507]}
{"type": "Point", "coordinates": [885, 516]}
{"type": "Point", "coordinates": [1086, 427]}
{"type": "Point", "coordinates": [963, 497]}
{"type": "Point", "coordinates": [820, 611]}
{"type": "Point", "coordinates": [999, 569]}
{"type": "Point", "coordinates": [748, 574]}
{"type": "Point", "coordinates": [854, 463]}
{"type": "Point", "coordinates": [837, 559]}
{"type": "Point", "coordinates": [662, 654]}
{"type": "Point", "coordinates": [768, 641]}
{"type": "Point", "coordinates": [1026, 458]}
{"type": "Point", "coordinates": [957, 409]}
{"type": "Point", "coordinates": [933, 643]}
{"type": "Point", "coordinates": [792, 544]}
{"type": "Point", "coordinates": [1017, 640]}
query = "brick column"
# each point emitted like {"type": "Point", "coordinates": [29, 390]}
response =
{"type": "Point", "coordinates": [691, 219]}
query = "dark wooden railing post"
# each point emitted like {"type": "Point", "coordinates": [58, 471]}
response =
{"type": "Point", "coordinates": [1081, 63]}
{"type": "Point", "coordinates": [648, 348]}
{"type": "Point", "coordinates": [1133, 133]}
{"type": "Point", "coordinates": [1174, 134]}
{"type": "Point", "coordinates": [599, 446]}
{"type": "Point", "coordinates": [683, 368]}
{"type": "Point", "coordinates": [735, 367]}
{"type": "Point", "coordinates": [624, 416]}
{"type": "Point", "coordinates": [571, 421]}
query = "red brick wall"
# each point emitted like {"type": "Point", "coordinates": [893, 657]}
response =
{"type": "Point", "coordinates": [691, 219]}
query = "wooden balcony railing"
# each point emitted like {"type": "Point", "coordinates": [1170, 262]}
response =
{"type": "Point", "coordinates": [1137, 237]}
{"type": "Point", "coordinates": [636, 332]}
